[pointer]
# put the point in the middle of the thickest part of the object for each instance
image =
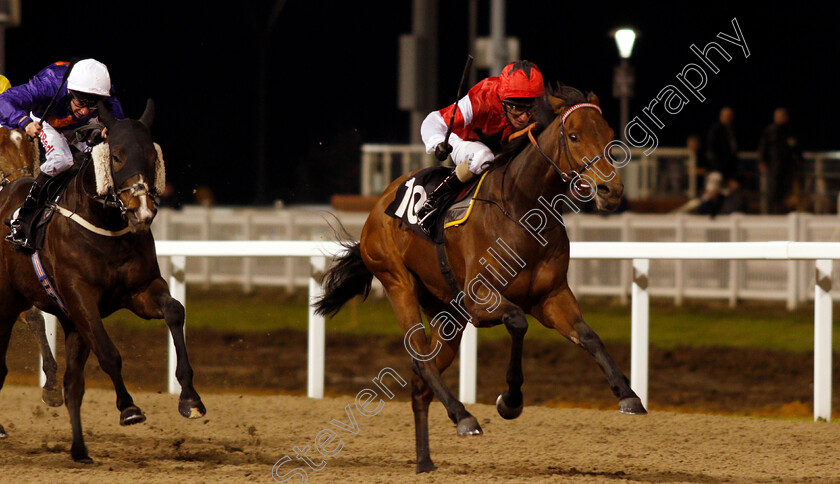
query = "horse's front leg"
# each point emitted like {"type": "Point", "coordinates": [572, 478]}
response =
{"type": "Point", "coordinates": [156, 302]}
{"type": "Point", "coordinates": [561, 312]}
{"type": "Point", "coordinates": [76, 351]}
{"type": "Point", "coordinates": [51, 394]}
{"type": "Point", "coordinates": [509, 403]}
{"type": "Point", "coordinates": [83, 311]}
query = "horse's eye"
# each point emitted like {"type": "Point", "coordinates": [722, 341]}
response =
{"type": "Point", "coordinates": [573, 137]}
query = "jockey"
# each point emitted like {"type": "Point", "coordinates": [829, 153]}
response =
{"type": "Point", "coordinates": [73, 106]}
{"type": "Point", "coordinates": [495, 107]}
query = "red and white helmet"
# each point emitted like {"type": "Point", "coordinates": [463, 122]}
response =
{"type": "Point", "coordinates": [521, 79]}
{"type": "Point", "coordinates": [90, 76]}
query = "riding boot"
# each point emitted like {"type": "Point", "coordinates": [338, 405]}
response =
{"type": "Point", "coordinates": [21, 223]}
{"type": "Point", "coordinates": [444, 192]}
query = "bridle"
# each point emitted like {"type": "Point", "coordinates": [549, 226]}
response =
{"type": "Point", "coordinates": [573, 174]}
{"type": "Point", "coordinates": [112, 198]}
{"type": "Point", "coordinates": [6, 178]}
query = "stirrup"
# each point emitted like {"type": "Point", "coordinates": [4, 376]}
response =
{"type": "Point", "coordinates": [427, 219]}
{"type": "Point", "coordinates": [19, 242]}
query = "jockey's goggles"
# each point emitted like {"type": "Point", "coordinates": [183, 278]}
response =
{"type": "Point", "coordinates": [85, 101]}
{"type": "Point", "coordinates": [517, 109]}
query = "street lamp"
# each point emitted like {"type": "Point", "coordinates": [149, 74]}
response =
{"type": "Point", "coordinates": [623, 74]}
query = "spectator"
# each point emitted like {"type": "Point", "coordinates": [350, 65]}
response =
{"type": "Point", "coordinates": [721, 147]}
{"type": "Point", "coordinates": [712, 198]}
{"type": "Point", "coordinates": [778, 157]}
{"type": "Point", "coordinates": [736, 200]}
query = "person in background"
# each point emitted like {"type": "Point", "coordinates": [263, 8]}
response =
{"type": "Point", "coordinates": [779, 158]}
{"type": "Point", "coordinates": [721, 146]}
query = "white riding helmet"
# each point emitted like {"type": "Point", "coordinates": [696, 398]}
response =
{"type": "Point", "coordinates": [90, 76]}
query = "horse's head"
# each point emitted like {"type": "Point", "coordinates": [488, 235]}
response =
{"type": "Point", "coordinates": [135, 167]}
{"type": "Point", "coordinates": [583, 135]}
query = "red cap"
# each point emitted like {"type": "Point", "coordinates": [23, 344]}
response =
{"type": "Point", "coordinates": [521, 79]}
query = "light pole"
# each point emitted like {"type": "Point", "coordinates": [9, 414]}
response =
{"type": "Point", "coordinates": [623, 74]}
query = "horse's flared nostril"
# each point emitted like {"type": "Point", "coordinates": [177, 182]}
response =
{"type": "Point", "coordinates": [603, 190]}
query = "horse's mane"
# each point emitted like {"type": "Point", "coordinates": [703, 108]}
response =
{"type": "Point", "coordinates": [544, 115]}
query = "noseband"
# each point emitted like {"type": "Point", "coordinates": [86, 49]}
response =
{"type": "Point", "coordinates": [573, 174]}
{"type": "Point", "coordinates": [112, 198]}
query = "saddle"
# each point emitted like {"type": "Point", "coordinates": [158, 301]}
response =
{"type": "Point", "coordinates": [35, 225]}
{"type": "Point", "coordinates": [411, 195]}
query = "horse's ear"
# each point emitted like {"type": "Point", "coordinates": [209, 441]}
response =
{"type": "Point", "coordinates": [149, 114]}
{"type": "Point", "coordinates": [105, 115]}
{"type": "Point", "coordinates": [556, 103]}
{"type": "Point", "coordinates": [593, 99]}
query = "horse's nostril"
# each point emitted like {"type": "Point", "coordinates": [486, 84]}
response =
{"type": "Point", "coordinates": [603, 189]}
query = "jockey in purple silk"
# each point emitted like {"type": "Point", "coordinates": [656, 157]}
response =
{"type": "Point", "coordinates": [74, 106]}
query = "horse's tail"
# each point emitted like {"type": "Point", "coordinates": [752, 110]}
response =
{"type": "Point", "coordinates": [348, 277]}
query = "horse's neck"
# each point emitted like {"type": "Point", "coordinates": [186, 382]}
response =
{"type": "Point", "coordinates": [530, 176]}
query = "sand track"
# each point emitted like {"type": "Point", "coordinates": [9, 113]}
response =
{"type": "Point", "coordinates": [243, 436]}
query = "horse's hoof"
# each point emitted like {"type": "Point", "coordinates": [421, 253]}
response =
{"type": "Point", "coordinates": [632, 406]}
{"type": "Point", "coordinates": [80, 455]}
{"type": "Point", "coordinates": [507, 413]}
{"type": "Point", "coordinates": [2, 432]}
{"type": "Point", "coordinates": [53, 398]}
{"type": "Point", "coordinates": [425, 466]}
{"type": "Point", "coordinates": [191, 408]}
{"type": "Point", "coordinates": [132, 415]}
{"type": "Point", "coordinates": [469, 426]}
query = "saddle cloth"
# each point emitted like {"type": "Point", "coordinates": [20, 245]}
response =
{"type": "Point", "coordinates": [413, 193]}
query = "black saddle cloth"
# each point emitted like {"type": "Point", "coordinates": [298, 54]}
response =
{"type": "Point", "coordinates": [414, 192]}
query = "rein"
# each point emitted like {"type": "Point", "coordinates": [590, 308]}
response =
{"type": "Point", "coordinates": [6, 178]}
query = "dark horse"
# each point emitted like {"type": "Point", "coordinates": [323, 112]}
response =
{"type": "Point", "coordinates": [19, 158]}
{"type": "Point", "coordinates": [532, 279]}
{"type": "Point", "coordinates": [100, 257]}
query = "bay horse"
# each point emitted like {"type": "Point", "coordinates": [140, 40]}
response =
{"type": "Point", "coordinates": [99, 254]}
{"type": "Point", "coordinates": [19, 157]}
{"type": "Point", "coordinates": [572, 142]}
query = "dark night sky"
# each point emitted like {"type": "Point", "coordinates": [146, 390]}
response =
{"type": "Point", "coordinates": [333, 69]}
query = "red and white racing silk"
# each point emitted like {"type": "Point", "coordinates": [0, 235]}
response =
{"type": "Point", "coordinates": [480, 110]}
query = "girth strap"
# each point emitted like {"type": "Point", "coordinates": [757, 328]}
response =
{"type": "Point", "coordinates": [446, 270]}
{"type": "Point", "coordinates": [45, 281]}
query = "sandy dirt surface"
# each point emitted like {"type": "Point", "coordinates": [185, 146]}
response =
{"type": "Point", "coordinates": [708, 380]}
{"type": "Point", "coordinates": [250, 426]}
{"type": "Point", "coordinates": [243, 436]}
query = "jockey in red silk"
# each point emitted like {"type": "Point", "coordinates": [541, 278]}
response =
{"type": "Point", "coordinates": [75, 106]}
{"type": "Point", "coordinates": [495, 107]}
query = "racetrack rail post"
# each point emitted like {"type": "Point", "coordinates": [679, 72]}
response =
{"type": "Point", "coordinates": [640, 329]}
{"type": "Point", "coordinates": [822, 341]}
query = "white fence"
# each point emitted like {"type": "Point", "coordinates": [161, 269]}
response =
{"type": "Point", "coordinates": [735, 280]}
{"type": "Point", "coordinates": [640, 253]}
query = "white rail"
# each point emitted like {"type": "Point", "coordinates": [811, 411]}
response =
{"type": "Point", "coordinates": [639, 252]}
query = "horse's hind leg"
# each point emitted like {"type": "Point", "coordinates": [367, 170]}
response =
{"type": "Point", "coordinates": [51, 394]}
{"type": "Point", "coordinates": [156, 302]}
{"type": "Point", "coordinates": [407, 308]}
{"type": "Point", "coordinates": [77, 352]}
{"type": "Point", "coordinates": [560, 311]}
{"type": "Point", "coordinates": [421, 395]}
{"type": "Point", "coordinates": [509, 403]}
{"type": "Point", "coordinates": [5, 335]}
